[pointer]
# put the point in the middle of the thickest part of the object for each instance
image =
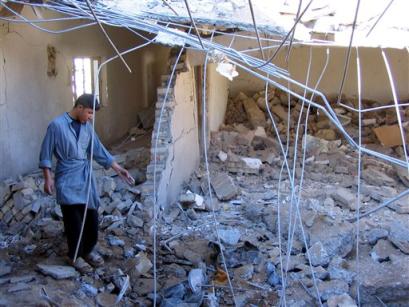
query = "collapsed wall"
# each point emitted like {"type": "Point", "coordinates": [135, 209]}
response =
{"type": "Point", "coordinates": [175, 136]}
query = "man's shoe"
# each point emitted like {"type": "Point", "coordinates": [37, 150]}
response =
{"type": "Point", "coordinates": [80, 265]}
{"type": "Point", "coordinates": [94, 259]}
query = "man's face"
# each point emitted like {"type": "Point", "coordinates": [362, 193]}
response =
{"type": "Point", "coordinates": [85, 114]}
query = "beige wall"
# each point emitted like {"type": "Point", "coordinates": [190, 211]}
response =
{"type": "Point", "coordinates": [217, 94]}
{"type": "Point", "coordinates": [30, 99]}
{"type": "Point", "coordinates": [375, 82]}
{"type": "Point", "coordinates": [184, 150]}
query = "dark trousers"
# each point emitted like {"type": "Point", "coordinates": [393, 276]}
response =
{"type": "Point", "coordinates": [72, 217]}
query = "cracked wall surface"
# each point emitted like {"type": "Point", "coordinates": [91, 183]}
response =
{"type": "Point", "coordinates": [181, 128]}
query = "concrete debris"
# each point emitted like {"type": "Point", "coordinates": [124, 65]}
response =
{"type": "Point", "coordinates": [378, 178]}
{"type": "Point", "coordinates": [403, 175]}
{"type": "Point", "coordinates": [134, 221]}
{"type": "Point", "coordinates": [375, 234]}
{"type": "Point", "coordinates": [331, 288]}
{"type": "Point", "coordinates": [196, 280]}
{"type": "Point", "coordinates": [337, 239]}
{"type": "Point", "coordinates": [345, 198]}
{"type": "Point", "coordinates": [192, 199]}
{"type": "Point", "coordinates": [222, 156]}
{"type": "Point", "coordinates": [326, 134]}
{"type": "Point", "coordinates": [244, 272]}
{"type": "Point", "coordinates": [143, 264]}
{"type": "Point", "coordinates": [399, 236]}
{"type": "Point", "coordinates": [318, 254]}
{"type": "Point", "coordinates": [105, 299]}
{"type": "Point", "coordinates": [230, 236]}
{"type": "Point", "coordinates": [246, 173]}
{"type": "Point", "coordinates": [382, 251]}
{"type": "Point", "coordinates": [255, 115]}
{"type": "Point", "coordinates": [316, 146]}
{"type": "Point", "coordinates": [343, 300]}
{"type": "Point", "coordinates": [58, 271]}
{"type": "Point", "coordinates": [5, 268]}
{"type": "Point", "coordinates": [224, 187]}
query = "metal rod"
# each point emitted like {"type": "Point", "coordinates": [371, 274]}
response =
{"type": "Point", "coordinates": [256, 30]}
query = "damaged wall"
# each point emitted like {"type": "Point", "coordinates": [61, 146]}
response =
{"type": "Point", "coordinates": [30, 98]}
{"type": "Point", "coordinates": [184, 155]}
{"type": "Point", "coordinates": [375, 84]}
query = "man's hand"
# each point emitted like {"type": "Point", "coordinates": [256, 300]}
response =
{"type": "Point", "coordinates": [48, 181]}
{"type": "Point", "coordinates": [123, 173]}
{"type": "Point", "coordinates": [49, 186]}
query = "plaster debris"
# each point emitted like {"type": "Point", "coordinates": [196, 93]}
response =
{"type": "Point", "coordinates": [170, 39]}
{"type": "Point", "coordinates": [227, 70]}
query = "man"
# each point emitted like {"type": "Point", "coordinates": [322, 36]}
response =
{"type": "Point", "coordinates": [68, 138]}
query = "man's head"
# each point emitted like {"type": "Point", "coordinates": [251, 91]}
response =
{"type": "Point", "coordinates": [83, 107]}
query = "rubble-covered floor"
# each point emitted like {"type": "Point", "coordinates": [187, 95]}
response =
{"type": "Point", "coordinates": [248, 210]}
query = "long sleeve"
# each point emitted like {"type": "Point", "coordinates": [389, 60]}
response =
{"type": "Point", "coordinates": [101, 154]}
{"type": "Point", "coordinates": [47, 147]}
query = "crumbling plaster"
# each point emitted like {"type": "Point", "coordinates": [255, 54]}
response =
{"type": "Point", "coordinates": [184, 155]}
{"type": "Point", "coordinates": [29, 99]}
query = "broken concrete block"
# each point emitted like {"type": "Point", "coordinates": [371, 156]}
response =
{"type": "Point", "coordinates": [375, 234]}
{"type": "Point", "coordinates": [224, 187]}
{"type": "Point", "coordinates": [383, 250]}
{"type": "Point", "coordinates": [143, 264]}
{"type": "Point", "coordinates": [377, 178]}
{"type": "Point", "coordinates": [191, 213]}
{"type": "Point", "coordinates": [326, 134]}
{"type": "Point", "coordinates": [23, 197]}
{"type": "Point", "coordinates": [260, 131]}
{"type": "Point", "coordinates": [115, 241]}
{"type": "Point", "coordinates": [400, 206]}
{"type": "Point", "coordinates": [230, 236]}
{"type": "Point", "coordinates": [108, 186]}
{"type": "Point", "coordinates": [58, 271]}
{"type": "Point", "coordinates": [388, 281]}
{"type": "Point", "coordinates": [280, 112]}
{"type": "Point", "coordinates": [255, 115]}
{"type": "Point", "coordinates": [403, 175]}
{"type": "Point", "coordinates": [339, 269]}
{"type": "Point", "coordinates": [318, 255]}
{"type": "Point", "coordinates": [192, 199]}
{"type": "Point", "coordinates": [222, 156]}
{"type": "Point", "coordinates": [196, 280]}
{"type": "Point", "coordinates": [345, 198]}
{"type": "Point", "coordinates": [343, 300]}
{"type": "Point", "coordinates": [252, 163]}
{"type": "Point", "coordinates": [399, 236]}
{"type": "Point", "coordinates": [134, 221]}
{"type": "Point", "coordinates": [192, 256]}
{"type": "Point", "coordinates": [244, 272]}
{"type": "Point", "coordinates": [337, 239]}
{"type": "Point", "coordinates": [330, 288]}
{"type": "Point", "coordinates": [315, 145]}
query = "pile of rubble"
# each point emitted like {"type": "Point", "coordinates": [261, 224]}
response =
{"type": "Point", "coordinates": [32, 251]}
{"type": "Point", "coordinates": [378, 125]}
{"type": "Point", "coordinates": [256, 214]}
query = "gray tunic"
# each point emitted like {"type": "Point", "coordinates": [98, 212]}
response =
{"type": "Point", "coordinates": [73, 164]}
